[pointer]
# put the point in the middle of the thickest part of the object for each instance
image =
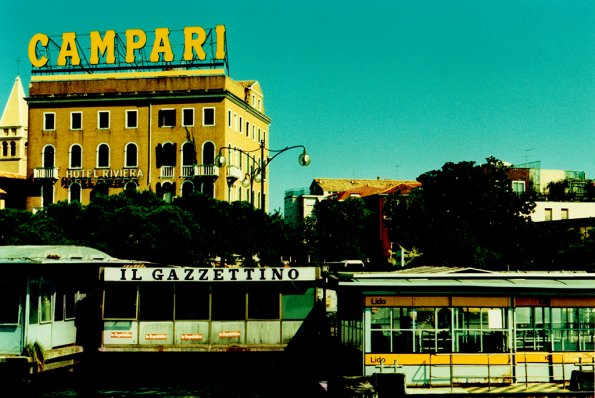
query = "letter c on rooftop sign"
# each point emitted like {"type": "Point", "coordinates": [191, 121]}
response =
{"type": "Point", "coordinates": [43, 40]}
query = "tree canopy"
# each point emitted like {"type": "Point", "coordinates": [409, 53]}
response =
{"type": "Point", "coordinates": [463, 214]}
{"type": "Point", "coordinates": [193, 230]}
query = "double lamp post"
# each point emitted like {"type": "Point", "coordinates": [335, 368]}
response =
{"type": "Point", "coordinates": [257, 171]}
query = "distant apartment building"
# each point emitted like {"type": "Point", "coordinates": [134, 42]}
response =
{"type": "Point", "coordinates": [299, 203]}
{"type": "Point", "coordinates": [560, 194]}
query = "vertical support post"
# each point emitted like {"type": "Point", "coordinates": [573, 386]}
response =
{"type": "Point", "coordinates": [430, 372]}
{"type": "Point", "coordinates": [489, 374]}
{"type": "Point", "coordinates": [263, 167]}
{"type": "Point", "coordinates": [451, 374]}
{"type": "Point", "coordinates": [526, 373]}
{"type": "Point", "coordinates": [563, 372]}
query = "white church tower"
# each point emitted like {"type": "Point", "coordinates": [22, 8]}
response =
{"type": "Point", "coordinates": [13, 133]}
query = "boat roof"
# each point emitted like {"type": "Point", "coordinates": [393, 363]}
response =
{"type": "Point", "coordinates": [466, 280]}
{"type": "Point", "coordinates": [57, 254]}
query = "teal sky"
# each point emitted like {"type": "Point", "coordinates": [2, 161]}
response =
{"type": "Point", "coordinates": [386, 89]}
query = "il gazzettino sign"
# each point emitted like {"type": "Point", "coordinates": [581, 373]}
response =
{"type": "Point", "coordinates": [190, 274]}
{"type": "Point", "coordinates": [133, 49]}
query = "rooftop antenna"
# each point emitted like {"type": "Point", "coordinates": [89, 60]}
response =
{"type": "Point", "coordinates": [527, 154]}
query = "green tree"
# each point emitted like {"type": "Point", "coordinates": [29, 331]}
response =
{"type": "Point", "coordinates": [343, 230]}
{"type": "Point", "coordinates": [465, 215]}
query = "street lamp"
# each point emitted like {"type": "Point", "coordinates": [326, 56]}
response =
{"type": "Point", "coordinates": [257, 172]}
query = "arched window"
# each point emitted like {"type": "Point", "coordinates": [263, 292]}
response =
{"type": "Point", "coordinates": [76, 157]}
{"type": "Point", "coordinates": [103, 155]}
{"type": "Point", "coordinates": [13, 148]}
{"type": "Point", "coordinates": [74, 192]}
{"type": "Point", "coordinates": [188, 154]}
{"type": "Point", "coordinates": [48, 156]}
{"type": "Point", "coordinates": [208, 153]}
{"type": "Point", "coordinates": [187, 188]}
{"type": "Point", "coordinates": [208, 188]}
{"type": "Point", "coordinates": [131, 186]}
{"type": "Point", "coordinates": [47, 194]}
{"type": "Point", "coordinates": [131, 155]}
{"type": "Point", "coordinates": [100, 189]}
{"type": "Point", "coordinates": [167, 191]}
{"type": "Point", "coordinates": [4, 148]}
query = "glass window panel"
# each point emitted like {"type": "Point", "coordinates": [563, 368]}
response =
{"type": "Point", "coordinates": [523, 317]}
{"type": "Point", "coordinates": [380, 341]}
{"type": "Point", "coordinates": [192, 302]}
{"type": "Point", "coordinates": [402, 341]}
{"type": "Point", "coordinates": [425, 318]}
{"type": "Point", "coordinates": [156, 302]}
{"type": "Point", "coordinates": [119, 302]}
{"type": "Point", "coordinates": [587, 339]}
{"type": "Point", "coordinates": [70, 303]}
{"type": "Point", "coordinates": [45, 290]}
{"type": "Point", "coordinates": [34, 303]}
{"type": "Point", "coordinates": [297, 304]}
{"type": "Point", "coordinates": [263, 303]}
{"type": "Point", "coordinates": [229, 303]}
{"type": "Point", "coordinates": [59, 305]}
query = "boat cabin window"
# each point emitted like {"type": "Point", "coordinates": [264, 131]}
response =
{"type": "Point", "coordinates": [9, 299]}
{"type": "Point", "coordinates": [40, 302]}
{"type": "Point", "coordinates": [64, 306]}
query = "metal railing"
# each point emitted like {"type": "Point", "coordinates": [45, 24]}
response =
{"type": "Point", "coordinates": [166, 172]}
{"type": "Point", "coordinates": [45, 172]}
{"type": "Point", "coordinates": [206, 170]}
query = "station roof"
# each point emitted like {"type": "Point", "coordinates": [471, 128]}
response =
{"type": "Point", "coordinates": [58, 254]}
{"type": "Point", "coordinates": [460, 280]}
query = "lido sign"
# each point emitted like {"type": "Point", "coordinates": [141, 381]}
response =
{"type": "Point", "coordinates": [127, 50]}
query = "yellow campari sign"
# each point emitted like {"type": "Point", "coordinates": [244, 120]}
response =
{"type": "Point", "coordinates": [111, 48]}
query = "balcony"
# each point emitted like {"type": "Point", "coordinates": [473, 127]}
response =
{"type": "Point", "coordinates": [166, 172]}
{"type": "Point", "coordinates": [234, 173]}
{"type": "Point", "coordinates": [206, 170]}
{"type": "Point", "coordinates": [41, 173]}
{"type": "Point", "coordinates": [188, 171]}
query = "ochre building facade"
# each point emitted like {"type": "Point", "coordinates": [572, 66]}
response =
{"type": "Point", "coordinates": [160, 131]}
